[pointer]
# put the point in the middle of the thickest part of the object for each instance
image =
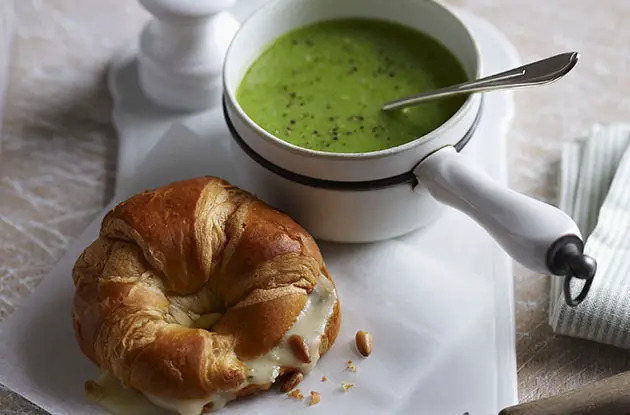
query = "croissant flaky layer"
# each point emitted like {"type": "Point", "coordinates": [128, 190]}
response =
{"type": "Point", "coordinates": [188, 282]}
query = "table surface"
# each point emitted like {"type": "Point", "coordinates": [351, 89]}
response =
{"type": "Point", "coordinates": [58, 147]}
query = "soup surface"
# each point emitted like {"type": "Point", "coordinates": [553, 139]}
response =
{"type": "Point", "coordinates": [322, 86]}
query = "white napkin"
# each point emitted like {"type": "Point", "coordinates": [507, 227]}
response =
{"type": "Point", "coordinates": [595, 191]}
{"type": "Point", "coordinates": [438, 343]}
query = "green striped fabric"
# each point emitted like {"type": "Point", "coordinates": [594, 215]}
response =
{"type": "Point", "coordinates": [595, 191]}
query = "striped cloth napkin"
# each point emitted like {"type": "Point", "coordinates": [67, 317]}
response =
{"type": "Point", "coordinates": [595, 191]}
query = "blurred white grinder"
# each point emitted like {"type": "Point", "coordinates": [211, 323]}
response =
{"type": "Point", "coordinates": [182, 50]}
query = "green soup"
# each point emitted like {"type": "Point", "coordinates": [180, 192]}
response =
{"type": "Point", "coordinates": [322, 86]}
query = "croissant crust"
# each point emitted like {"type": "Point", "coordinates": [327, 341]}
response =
{"type": "Point", "coordinates": [167, 259]}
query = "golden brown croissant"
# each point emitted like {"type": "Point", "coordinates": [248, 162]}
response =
{"type": "Point", "coordinates": [192, 291]}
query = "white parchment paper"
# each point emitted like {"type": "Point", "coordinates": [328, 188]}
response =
{"type": "Point", "coordinates": [430, 299]}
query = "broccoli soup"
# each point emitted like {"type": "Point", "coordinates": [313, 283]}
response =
{"type": "Point", "coordinates": [322, 86]}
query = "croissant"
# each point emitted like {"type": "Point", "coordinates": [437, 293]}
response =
{"type": "Point", "coordinates": [192, 292]}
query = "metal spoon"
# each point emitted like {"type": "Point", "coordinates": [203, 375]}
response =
{"type": "Point", "coordinates": [536, 73]}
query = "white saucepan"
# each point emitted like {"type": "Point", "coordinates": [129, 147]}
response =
{"type": "Point", "coordinates": [371, 196]}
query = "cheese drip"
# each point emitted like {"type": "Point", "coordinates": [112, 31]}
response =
{"type": "Point", "coordinates": [117, 399]}
{"type": "Point", "coordinates": [310, 324]}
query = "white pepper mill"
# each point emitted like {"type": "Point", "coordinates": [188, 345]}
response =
{"type": "Point", "coordinates": [181, 51]}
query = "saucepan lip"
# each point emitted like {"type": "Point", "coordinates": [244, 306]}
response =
{"type": "Point", "coordinates": [364, 185]}
{"type": "Point", "coordinates": [429, 140]}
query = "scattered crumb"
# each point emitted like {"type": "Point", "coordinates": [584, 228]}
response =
{"type": "Point", "coordinates": [93, 390]}
{"type": "Point", "coordinates": [292, 381]}
{"type": "Point", "coordinates": [345, 386]}
{"type": "Point", "coordinates": [315, 398]}
{"type": "Point", "coordinates": [324, 378]}
{"type": "Point", "coordinates": [350, 366]}
{"type": "Point", "coordinates": [296, 394]}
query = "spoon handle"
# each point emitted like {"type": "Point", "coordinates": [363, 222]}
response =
{"type": "Point", "coordinates": [536, 73]}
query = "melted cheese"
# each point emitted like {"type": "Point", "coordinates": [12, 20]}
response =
{"type": "Point", "coordinates": [122, 401]}
{"type": "Point", "coordinates": [310, 324]}
{"type": "Point", "coordinates": [192, 406]}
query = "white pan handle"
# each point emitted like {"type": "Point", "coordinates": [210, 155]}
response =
{"type": "Point", "coordinates": [536, 234]}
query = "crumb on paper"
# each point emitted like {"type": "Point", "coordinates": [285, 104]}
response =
{"type": "Point", "coordinates": [93, 391]}
{"type": "Point", "coordinates": [292, 381]}
{"type": "Point", "coordinates": [346, 386]}
{"type": "Point", "coordinates": [296, 394]}
{"type": "Point", "coordinates": [351, 366]}
{"type": "Point", "coordinates": [315, 398]}
{"type": "Point", "coordinates": [324, 378]}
